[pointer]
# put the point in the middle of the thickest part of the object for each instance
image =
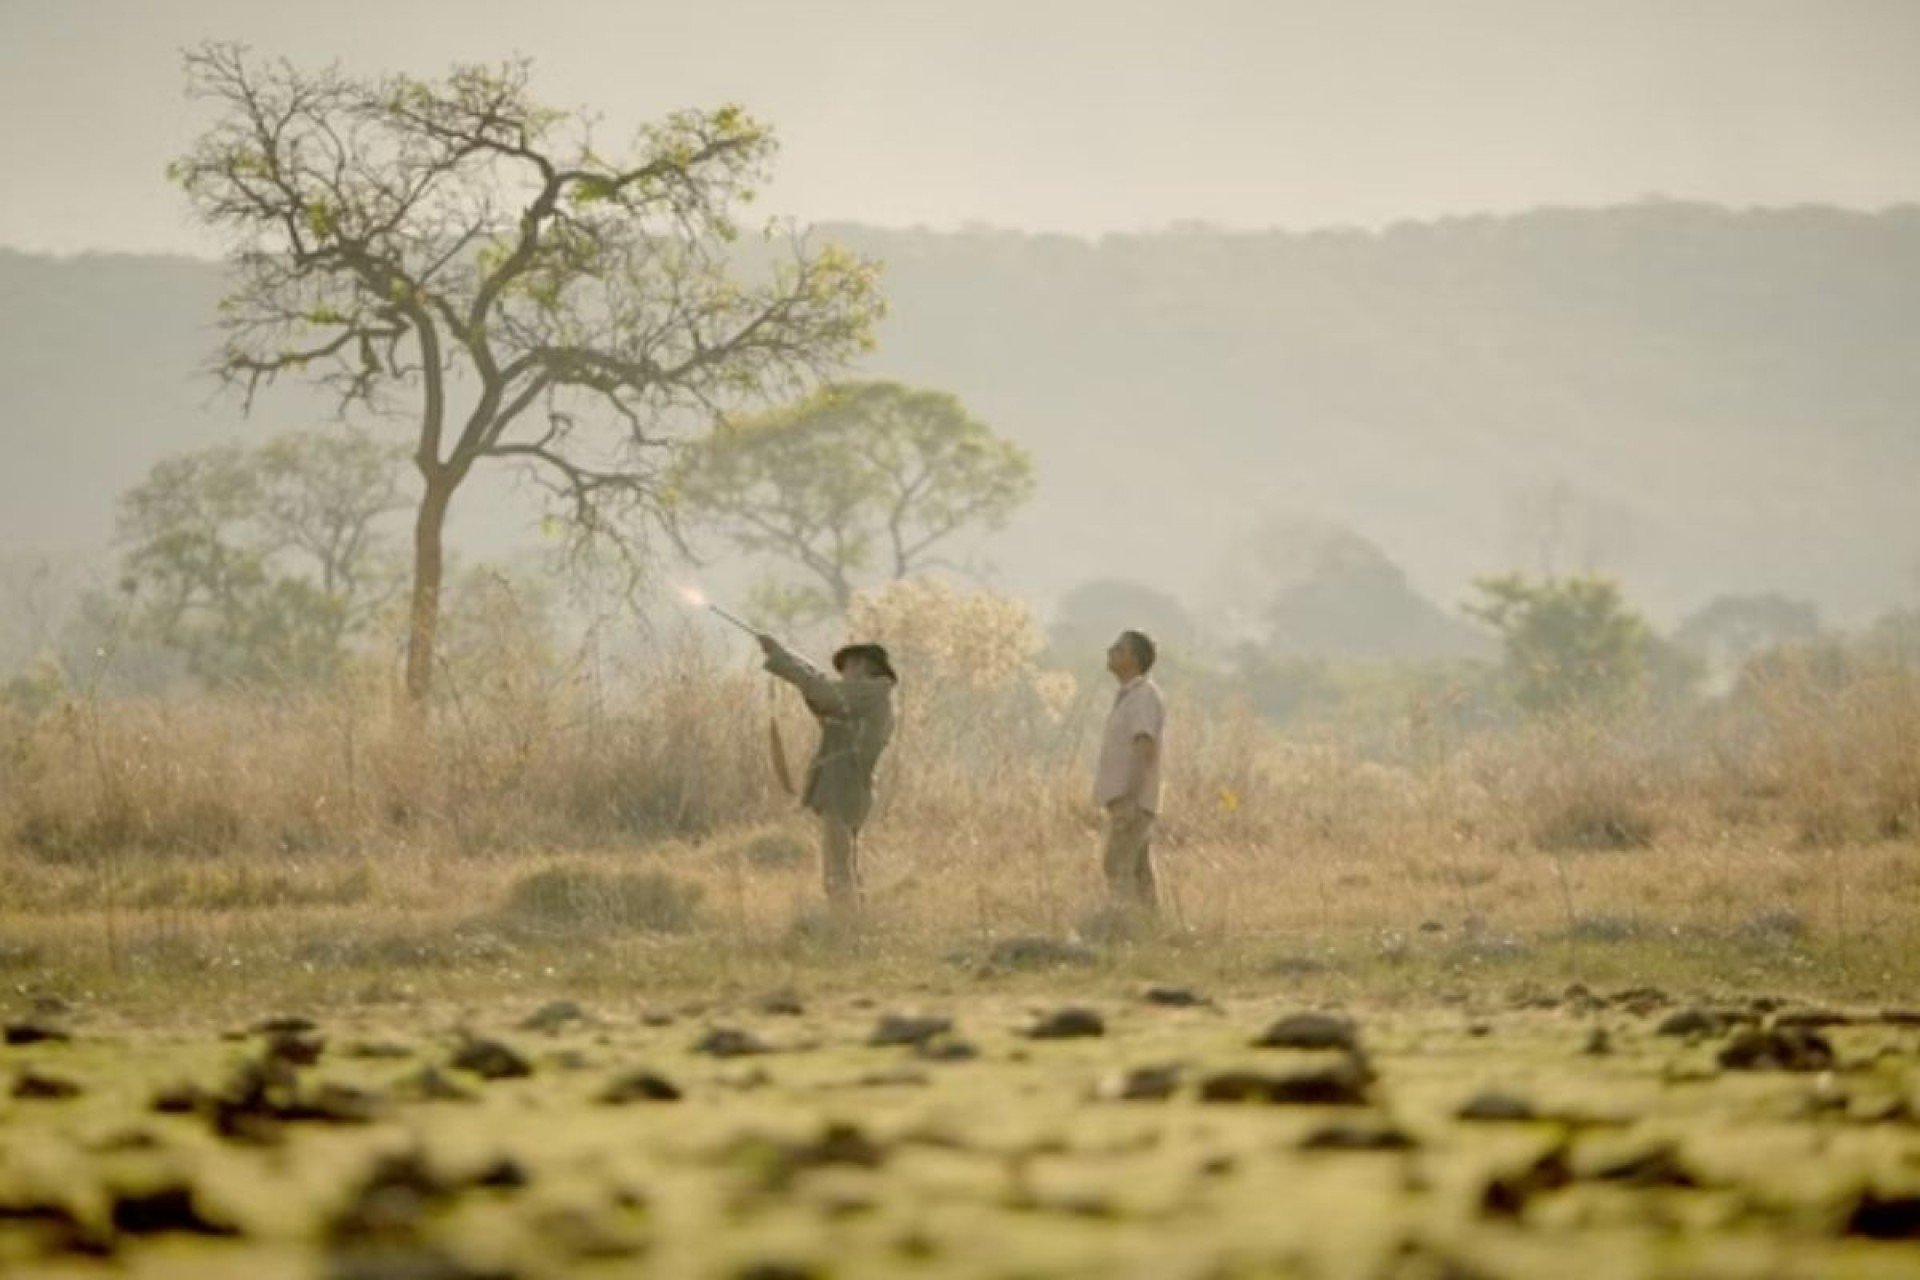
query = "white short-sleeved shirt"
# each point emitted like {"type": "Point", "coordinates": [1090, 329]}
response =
{"type": "Point", "coordinates": [1137, 709]}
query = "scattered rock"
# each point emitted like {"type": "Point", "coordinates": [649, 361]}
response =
{"type": "Point", "coordinates": [893, 1078]}
{"type": "Point", "coordinates": [552, 1016]}
{"type": "Point", "coordinates": [731, 1042]}
{"type": "Point", "coordinates": [1813, 1018]}
{"type": "Point", "coordinates": [1357, 1136]}
{"type": "Point", "coordinates": [502, 1173]}
{"type": "Point", "coordinates": [1495, 1107]}
{"type": "Point", "coordinates": [1878, 1217]}
{"type": "Point", "coordinates": [639, 1086]}
{"type": "Point", "coordinates": [170, 1207]}
{"type": "Point", "coordinates": [1343, 1083]}
{"type": "Point", "coordinates": [1309, 1031]}
{"type": "Point", "coordinates": [784, 1003]}
{"type": "Point", "coordinates": [1659, 1165]}
{"type": "Point", "coordinates": [490, 1060]}
{"type": "Point", "coordinates": [1506, 1195]}
{"type": "Point", "coordinates": [179, 1099]}
{"type": "Point", "coordinates": [57, 1228]}
{"type": "Point", "coordinates": [1071, 1023]}
{"type": "Point", "coordinates": [1778, 1049]}
{"type": "Point", "coordinates": [947, 1048]}
{"type": "Point", "coordinates": [295, 1048]}
{"type": "Point", "coordinates": [34, 1086]}
{"type": "Point", "coordinates": [35, 1031]}
{"type": "Point", "coordinates": [908, 1029]}
{"type": "Point", "coordinates": [1142, 1084]}
{"type": "Point", "coordinates": [1599, 1043]}
{"type": "Point", "coordinates": [1691, 1022]}
{"type": "Point", "coordinates": [285, 1025]}
{"type": "Point", "coordinates": [430, 1084]}
{"type": "Point", "coordinates": [779, 1269]}
{"type": "Point", "coordinates": [378, 1050]}
{"type": "Point", "coordinates": [1175, 998]}
{"type": "Point", "coordinates": [1032, 953]}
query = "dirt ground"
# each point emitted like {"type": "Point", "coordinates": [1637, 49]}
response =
{"type": "Point", "coordinates": [1067, 1126]}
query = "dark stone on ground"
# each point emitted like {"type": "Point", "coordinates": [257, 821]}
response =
{"type": "Point", "coordinates": [1599, 1043]}
{"type": "Point", "coordinates": [1813, 1018]}
{"type": "Point", "coordinates": [947, 1048]}
{"type": "Point", "coordinates": [34, 1086]}
{"type": "Point", "coordinates": [1900, 1017]}
{"type": "Point", "coordinates": [908, 1029]}
{"type": "Point", "coordinates": [639, 1086]}
{"type": "Point", "coordinates": [430, 1084]}
{"type": "Point", "coordinates": [490, 1060]}
{"type": "Point", "coordinates": [731, 1042]}
{"type": "Point", "coordinates": [179, 1100]}
{"type": "Point", "coordinates": [285, 1025]}
{"type": "Point", "coordinates": [1037, 952]}
{"type": "Point", "coordinates": [1142, 1084]}
{"type": "Point", "coordinates": [1778, 1049]}
{"type": "Point", "coordinates": [1493, 1106]}
{"type": "Point", "coordinates": [1506, 1195]}
{"type": "Point", "coordinates": [332, 1103]}
{"type": "Point", "coordinates": [779, 1269]}
{"type": "Point", "coordinates": [1659, 1165]}
{"type": "Point", "coordinates": [1343, 1083]}
{"type": "Point", "coordinates": [1878, 1217]}
{"type": "Point", "coordinates": [553, 1015]}
{"type": "Point", "coordinates": [784, 1003]}
{"type": "Point", "coordinates": [1357, 1136]}
{"type": "Point", "coordinates": [378, 1050]}
{"type": "Point", "coordinates": [169, 1208]}
{"type": "Point", "coordinates": [1309, 1031]}
{"type": "Point", "coordinates": [34, 1031]}
{"type": "Point", "coordinates": [502, 1173]}
{"type": "Point", "coordinates": [1175, 998]}
{"type": "Point", "coordinates": [57, 1227]}
{"type": "Point", "coordinates": [1692, 1022]}
{"type": "Point", "coordinates": [1070, 1023]}
{"type": "Point", "coordinates": [295, 1048]}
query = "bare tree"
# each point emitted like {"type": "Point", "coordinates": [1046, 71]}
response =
{"type": "Point", "coordinates": [457, 254]}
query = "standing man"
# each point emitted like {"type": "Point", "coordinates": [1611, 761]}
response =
{"type": "Point", "coordinates": [1127, 781]}
{"type": "Point", "coordinates": [855, 711]}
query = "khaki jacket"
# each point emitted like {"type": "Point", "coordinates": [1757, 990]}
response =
{"type": "Point", "coordinates": [856, 722]}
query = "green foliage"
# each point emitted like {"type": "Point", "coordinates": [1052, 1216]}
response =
{"type": "Point", "coordinates": [262, 564]}
{"type": "Point", "coordinates": [863, 477]}
{"type": "Point", "coordinates": [1569, 643]}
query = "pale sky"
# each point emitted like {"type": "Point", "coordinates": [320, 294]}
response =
{"type": "Point", "coordinates": [1082, 116]}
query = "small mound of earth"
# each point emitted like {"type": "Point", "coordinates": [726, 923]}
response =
{"type": "Point", "coordinates": [731, 1042]}
{"type": "Point", "coordinates": [553, 1016]}
{"type": "Point", "coordinates": [1309, 1031]}
{"type": "Point", "coordinates": [639, 1086]}
{"type": "Point", "coordinates": [35, 1086]}
{"type": "Point", "coordinates": [1142, 1084]}
{"type": "Point", "coordinates": [490, 1060]}
{"type": "Point", "coordinates": [1493, 1106]}
{"type": "Point", "coordinates": [1342, 1083]}
{"type": "Point", "coordinates": [171, 1207]}
{"type": "Point", "coordinates": [908, 1029]}
{"type": "Point", "coordinates": [1778, 1049]}
{"type": "Point", "coordinates": [1070, 1023]}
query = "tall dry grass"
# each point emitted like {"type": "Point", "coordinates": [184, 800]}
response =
{"type": "Point", "coordinates": [334, 829]}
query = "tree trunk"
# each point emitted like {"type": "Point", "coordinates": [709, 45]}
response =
{"type": "Point", "coordinates": [423, 622]}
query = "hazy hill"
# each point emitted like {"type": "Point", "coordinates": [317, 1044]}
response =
{"type": "Point", "coordinates": [1694, 398]}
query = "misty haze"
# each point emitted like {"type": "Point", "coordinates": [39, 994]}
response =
{"type": "Point", "coordinates": [847, 639]}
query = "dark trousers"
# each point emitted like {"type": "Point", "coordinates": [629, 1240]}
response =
{"type": "Point", "coordinates": [840, 860]}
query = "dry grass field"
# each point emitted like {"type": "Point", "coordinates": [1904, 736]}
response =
{"type": "Point", "coordinates": [1516, 910]}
